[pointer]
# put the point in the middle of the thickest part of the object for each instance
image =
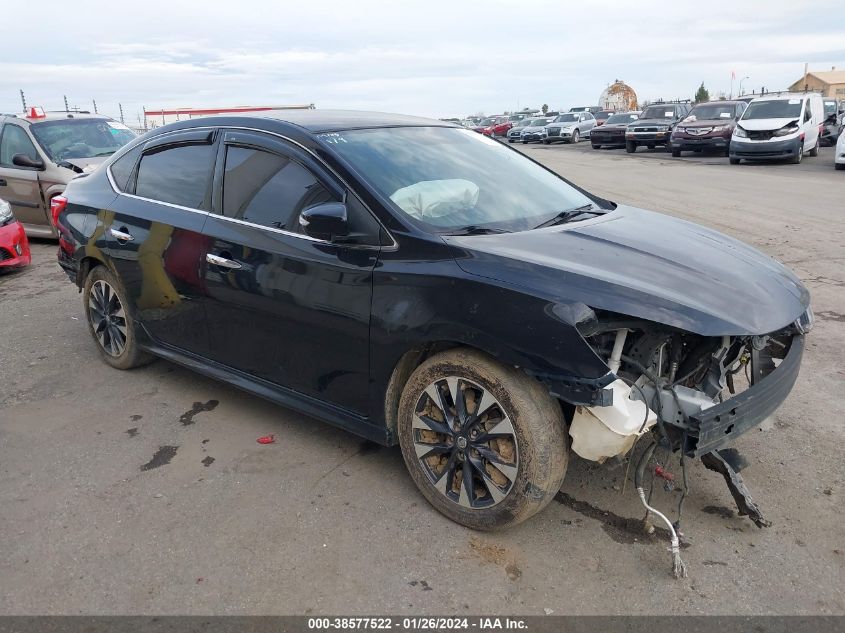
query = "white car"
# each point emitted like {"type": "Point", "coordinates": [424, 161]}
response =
{"type": "Point", "coordinates": [784, 125]}
{"type": "Point", "coordinates": [839, 155]}
{"type": "Point", "coordinates": [570, 127]}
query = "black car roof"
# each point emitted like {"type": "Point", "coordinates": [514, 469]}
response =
{"type": "Point", "coordinates": [318, 121]}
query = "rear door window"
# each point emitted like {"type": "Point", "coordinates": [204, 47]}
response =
{"type": "Point", "coordinates": [269, 188]}
{"type": "Point", "coordinates": [177, 174]}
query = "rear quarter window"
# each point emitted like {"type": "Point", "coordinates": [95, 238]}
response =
{"type": "Point", "coordinates": [122, 168]}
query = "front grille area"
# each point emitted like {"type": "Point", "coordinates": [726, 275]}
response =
{"type": "Point", "coordinates": [760, 135]}
{"type": "Point", "coordinates": [553, 131]}
{"type": "Point", "coordinates": [650, 128]}
{"type": "Point", "coordinates": [5, 255]}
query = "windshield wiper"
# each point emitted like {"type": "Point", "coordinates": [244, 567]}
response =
{"type": "Point", "coordinates": [568, 214]}
{"type": "Point", "coordinates": [474, 229]}
{"type": "Point", "coordinates": [104, 153]}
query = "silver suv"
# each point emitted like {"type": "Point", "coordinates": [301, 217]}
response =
{"type": "Point", "coordinates": [41, 152]}
{"type": "Point", "coordinates": [570, 127]}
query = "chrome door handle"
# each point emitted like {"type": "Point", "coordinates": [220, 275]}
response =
{"type": "Point", "coordinates": [121, 236]}
{"type": "Point", "coordinates": [216, 260]}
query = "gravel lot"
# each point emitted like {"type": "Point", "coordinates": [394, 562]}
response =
{"type": "Point", "coordinates": [145, 492]}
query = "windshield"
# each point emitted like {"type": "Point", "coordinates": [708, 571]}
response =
{"type": "Point", "coordinates": [449, 178]}
{"type": "Point", "coordinates": [538, 122]}
{"type": "Point", "coordinates": [566, 118]}
{"type": "Point", "coordinates": [774, 109]}
{"type": "Point", "coordinates": [487, 122]}
{"type": "Point", "coordinates": [81, 138]}
{"type": "Point", "coordinates": [712, 111]}
{"type": "Point", "coordinates": [621, 118]}
{"type": "Point", "coordinates": [659, 112]}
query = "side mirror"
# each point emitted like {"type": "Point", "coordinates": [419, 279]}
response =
{"type": "Point", "coordinates": [325, 221]}
{"type": "Point", "coordinates": [22, 160]}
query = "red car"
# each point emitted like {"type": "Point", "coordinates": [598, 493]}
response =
{"type": "Point", "coordinates": [494, 126]}
{"type": "Point", "coordinates": [14, 247]}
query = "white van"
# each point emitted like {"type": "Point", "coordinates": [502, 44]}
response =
{"type": "Point", "coordinates": [784, 125]}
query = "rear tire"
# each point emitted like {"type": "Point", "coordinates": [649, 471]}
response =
{"type": "Point", "coordinates": [110, 320]}
{"type": "Point", "coordinates": [529, 439]}
{"type": "Point", "coordinates": [630, 146]}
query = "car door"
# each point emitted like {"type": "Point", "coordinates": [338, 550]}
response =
{"type": "Point", "coordinates": [285, 307]}
{"type": "Point", "coordinates": [588, 122]}
{"type": "Point", "coordinates": [154, 235]}
{"type": "Point", "coordinates": [19, 186]}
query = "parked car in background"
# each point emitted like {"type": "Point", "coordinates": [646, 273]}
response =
{"type": "Point", "coordinates": [834, 121]}
{"type": "Point", "coordinates": [515, 133]}
{"type": "Point", "coordinates": [413, 283]}
{"type": "Point", "coordinates": [708, 127]}
{"type": "Point", "coordinates": [612, 133]}
{"type": "Point", "coordinates": [779, 126]}
{"type": "Point", "coordinates": [535, 130]}
{"type": "Point", "coordinates": [14, 245]}
{"type": "Point", "coordinates": [495, 126]}
{"type": "Point", "coordinates": [839, 153]}
{"type": "Point", "coordinates": [655, 125]}
{"type": "Point", "coordinates": [602, 116]}
{"type": "Point", "coordinates": [570, 127]}
{"type": "Point", "coordinates": [591, 109]}
{"type": "Point", "coordinates": [41, 152]}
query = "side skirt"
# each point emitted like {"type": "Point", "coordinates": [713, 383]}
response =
{"type": "Point", "coordinates": [301, 403]}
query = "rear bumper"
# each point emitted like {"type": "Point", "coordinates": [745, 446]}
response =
{"type": "Point", "coordinates": [14, 246]}
{"type": "Point", "coordinates": [720, 425]}
{"type": "Point", "coordinates": [765, 150]}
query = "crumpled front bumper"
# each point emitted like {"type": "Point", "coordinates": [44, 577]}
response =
{"type": "Point", "coordinates": [720, 425]}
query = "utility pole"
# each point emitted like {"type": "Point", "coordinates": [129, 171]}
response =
{"type": "Point", "coordinates": [66, 108]}
{"type": "Point", "coordinates": [23, 101]}
{"type": "Point", "coordinates": [120, 105]}
{"type": "Point", "coordinates": [95, 106]}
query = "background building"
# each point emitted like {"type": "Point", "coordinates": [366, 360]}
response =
{"type": "Point", "coordinates": [831, 82]}
{"type": "Point", "coordinates": [618, 96]}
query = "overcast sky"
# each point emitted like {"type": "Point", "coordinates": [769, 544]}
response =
{"type": "Point", "coordinates": [430, 58]}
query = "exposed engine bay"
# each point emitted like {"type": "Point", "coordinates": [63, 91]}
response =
{"type": "Point", "coordinates": [688, 395]}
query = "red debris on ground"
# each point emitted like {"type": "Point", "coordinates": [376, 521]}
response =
{"type": "Point", "coordinates": [663, 474]}
{"type": "Point", "coordinates": [267, 439]}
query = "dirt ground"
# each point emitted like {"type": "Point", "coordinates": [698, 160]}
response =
{"type": "Point", "coordinates": [145, 492]}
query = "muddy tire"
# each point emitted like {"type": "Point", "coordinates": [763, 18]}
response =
{"type": "Point", "coordinates": [110, 320]}
{"type": "Point", "coordinates": [461, 410]}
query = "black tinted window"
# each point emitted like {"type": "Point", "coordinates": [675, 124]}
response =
{"type": "Point", "coordinates": [179, 175]}
{"type": "Point", "coordinates": [269, 189]}
{"type": "Point", "coordinates": [122, 168]}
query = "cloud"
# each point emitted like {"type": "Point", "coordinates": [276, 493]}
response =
{"type": "Point", "coordinates": [432, 58]}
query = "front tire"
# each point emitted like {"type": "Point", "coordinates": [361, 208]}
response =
{"type": "Point", "coordinates": [596, 146]}
{"type": "Point", "coordinates": [630, 146]}
{"type": "Point", "coordinates": [796, 160]}
{"type": "Point", "coordinates": [515, 452]}
{"type": "Point", "coordinates": [676, 153]}
{"type": "Point", "coordinates": [110, 320]}
{"type": "Point", "coordinates": [576, 136]}
{"type": "Point", "coordinates": [734, 161]}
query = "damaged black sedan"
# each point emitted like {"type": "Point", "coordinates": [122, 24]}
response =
{"type": "Point", "coordinates": [420, 284]}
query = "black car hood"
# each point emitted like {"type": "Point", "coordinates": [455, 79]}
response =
{"type": "Point", "coordinates": [647, 265]}
{"type": "Point", "coordinates": [611, 126]}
